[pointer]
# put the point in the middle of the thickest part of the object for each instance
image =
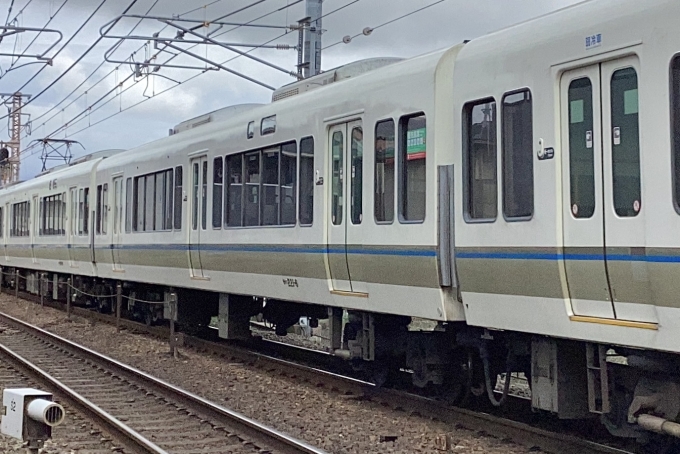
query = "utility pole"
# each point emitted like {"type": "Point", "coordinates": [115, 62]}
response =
{"type": "Point", "coordinates": [312, 54]}
{"type": "Point", "coordinates": [10, 168]}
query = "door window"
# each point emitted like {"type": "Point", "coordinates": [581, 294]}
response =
{"type": "Point", "coordinates": [356, 179]}
{"type": "Point", "coordinates": [195, 188]}
{"type": "Point", "coordinates": [625, 143]}
{"type": "Point", "coordinates": [581, 148]}
{"type": "Point", "coordinates": [337, 151]}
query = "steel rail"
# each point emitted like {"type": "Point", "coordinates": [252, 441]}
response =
{"type": "Point", "coordinates": [252, 430]}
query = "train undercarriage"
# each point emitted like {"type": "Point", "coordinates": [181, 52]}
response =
{"type": "Point", "coordinates": [634, 393]}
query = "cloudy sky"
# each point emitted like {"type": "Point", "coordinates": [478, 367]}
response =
{"type": "Point", "coordinates": [100, 116]}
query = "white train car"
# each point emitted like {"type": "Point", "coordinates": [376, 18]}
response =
{"type": "Point", "coordinates": [519, 192]}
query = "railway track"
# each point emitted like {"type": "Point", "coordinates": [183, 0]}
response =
{"type": "Point", "coordinates": [146, 414]}
{"type": "Point", "coordinates": [309, 366]}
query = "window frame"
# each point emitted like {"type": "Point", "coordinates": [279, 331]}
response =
{"type": "Point", "coordinates": [614, 164]}
{"type": "Point", "coordinates": [159, 218]}
{"type": "Point", "coordinates": [298, 219]}
{"type": "Point", "coordinates": [177, 199]}
{"type": "Point", "coordinates": [270, 129]}
{"type": "Point", "coordinates": [375, 161]}
{"type": "Point", "coordinates": [217, 188]}
{"type": "Point", "coordinates": [260, 151]}
{"type": "Point", "coordinates": [401, 151]}
{"type": "Point", "coordinates": [250, 130]}
{"type": "Point", "coordinates": [21, 219]}
{"type": "Point", "coordinates": [52, 215]}
{"type": "Point", "coordinates": [466, 117]}
{"type": "Point", "coordinates": [503, 154]}
{"type": "Point", "coordinates": [675, 145]}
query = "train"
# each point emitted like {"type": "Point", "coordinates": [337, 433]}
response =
{"type": "Point", "coordinates": [508, 204]}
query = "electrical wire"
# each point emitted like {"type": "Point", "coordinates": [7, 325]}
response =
{"type": "Point", "coordinates": [93, 73]}
{"type": "Point", "coordinates": [113, 70]}
{"type": "Point", "coordinates": [35, 37]}
{"type": "Point", "coordinates": [75, 120]}
{"type": "Point", "coordinates": [82, 26]}
{"type": "Point", "coordinates": [73, 65]}
{"type": "Point", "coordinates": [21, 11]}
{"type": "Point", "coordinates": [9, 12]}
{"type": "Point", "coordinates": [387, 23]}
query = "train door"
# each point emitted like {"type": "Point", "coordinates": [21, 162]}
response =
{"type": "Point", "coordinates": [72, 225]}
{"type": "Point", "coordinates": [343, 179]}
{"type": "Point", "coordinates": [117, 230]}
{"type": "Point", "coordinates": [602, 228]}
{"type": "Point", "coordinates": [624, 223]}
{"type": "Point", "coordinates": [198, 212]}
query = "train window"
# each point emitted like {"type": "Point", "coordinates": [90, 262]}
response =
{"type": "Point", "coordinates": [99, 210]}
{"type": "Point", "coordinates": [262, 186]}
{"type": "Point", "coordinates": [105, 206]}
{"type": "Point", "coordinates": [625, 142]}
{"type": "Point", "coordinates": [2, 223]}
{"type": "Point", "coordinates": [356, 177]}
{"type": "Point", "coordinates": [337, 189]}
{"type": "Point", "coordinates": [168, 203]}
{"type": "Point", "coordinates": [270, 186]}
{"type": "Point", "coordinates": [268, 125]}
{"type": "Point", "coordinates": [20, 219]}
{"type": "Point", "coordinates": [51, 215]}
{"type": "Point", "coordinates": [195, 195]}
{"type": "Point", "coordinates": [306, 181]}
{"type": "Point", "coordinates": [252, 189]}
{"type": "Point", "coordinates": [288, 182]}
{"type": "Point", "coordinates": [178, 199]}
{"type": "Point", "coordinates": [74, 210]}
{"type": "Point", "coordinates": [518, 156]}
{"type": "Point", "coordinates": [480, 160]}
{"type": "Point", "coordinates": [581, 157]}
{"type": "Point", "coordinates": [218, 191]}
{"type": "Point", "coordinates": [86, 211]}
{"type": "Point", "coordinates": [149, 202]}
{"type": "Point", "coordinates": [128, 205]}
{"type": "Point", "coordinates": [153, 198]}
{"type": "Point", "coordinates": [384, 171]}
{"type": "Point", "coordinates": [234, 190]}
{"type": "Point", "coordinates": [159, 202]}
{"type": "Point", "coordinates": [675, 128]}
{"type": "Point", "coordinates": [204, 196]}
{"type": "Point", "coordinates": [251, 130]}
{"type": "Point", "coordinates": [117, 204]}
{"type": "Point", "coordinates": [81, 214]}
{"type": "Point", "coordinates": [412, 158]}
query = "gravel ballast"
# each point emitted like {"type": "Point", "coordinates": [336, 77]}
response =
{"type": "Point", "coordinates": [336, 423]}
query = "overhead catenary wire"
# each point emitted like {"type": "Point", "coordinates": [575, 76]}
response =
{"type": "Point", "coordinates": [139, 49]}
{"type": "Point", "coordinates": [391, 21]}
{"type": "Point", "coordinates": [92, 73]}
{"type": "Point", "coordinates": [76, 119]}
{"type": "Point", "coordinates": [9, 12]}
{"type": "Point", "coordinates": [73, 65]}
{"type": "Point", "coordinates": [79, 117]}
{"type": "Point", "coordinates": [35, 38]}
{"type": "Point", "coordinates": [78, 30]}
